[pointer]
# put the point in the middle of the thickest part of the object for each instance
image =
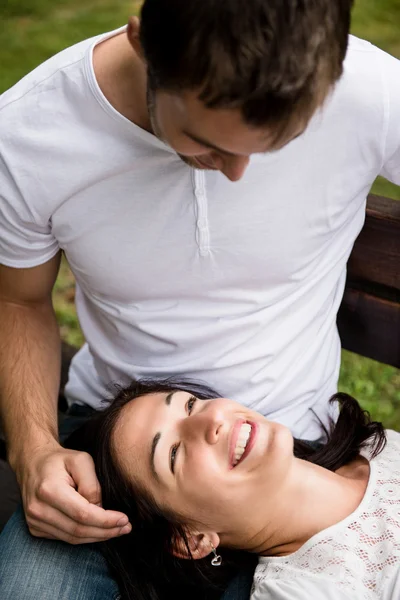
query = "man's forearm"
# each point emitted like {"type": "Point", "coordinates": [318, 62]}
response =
{"type": "Point", "coordinates": [30, 353]}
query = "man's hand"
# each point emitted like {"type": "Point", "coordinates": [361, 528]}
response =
{"type": "Point", "coordinates": [60, 490]}
{"type": "Point", "coordinates": [62, 497]}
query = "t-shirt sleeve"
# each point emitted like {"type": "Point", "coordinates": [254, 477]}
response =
{"type": "Point", "coordinates": [26, 239]}
{"type": "Point", "coordinates": [390, 69]}
{"type": "Point", "coordinates": [299, 588]}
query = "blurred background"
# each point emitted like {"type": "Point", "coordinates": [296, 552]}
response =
{"type": "Point", "coordinates": [33, 30]}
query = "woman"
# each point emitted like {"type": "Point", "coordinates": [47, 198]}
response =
{"type": "Point", "coordinates": [203, 478]}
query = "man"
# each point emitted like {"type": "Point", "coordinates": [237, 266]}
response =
{"type": "Point", "coordinates": [207, 206]}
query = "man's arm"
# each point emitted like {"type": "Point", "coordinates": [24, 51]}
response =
{"type": "Point", "coordinates": [29, 358]}
{"type": "Point", "coordinates": [59, 487]}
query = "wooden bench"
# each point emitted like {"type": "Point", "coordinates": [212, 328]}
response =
{"type": "Point", "coordinates": [369, 317]}
{"type": "Point", "coordinates": [368, 320]}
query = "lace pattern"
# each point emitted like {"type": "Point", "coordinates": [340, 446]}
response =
{"type": "Point", "coordinates": [361, 553]}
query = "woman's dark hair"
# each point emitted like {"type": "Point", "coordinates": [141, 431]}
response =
{"type": "Point", "coordinates": [275, 60]}
{"type": "Point", "coordinates": [142, 562]}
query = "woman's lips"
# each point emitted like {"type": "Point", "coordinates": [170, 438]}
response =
{"type": "Point", "coordinates": [234, 438]}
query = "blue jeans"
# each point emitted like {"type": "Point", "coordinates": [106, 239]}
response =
{"type": "Point", "coordinates": [39, 569]}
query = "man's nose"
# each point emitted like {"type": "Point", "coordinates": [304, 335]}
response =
{"type": "Point", "coordinates": [234, 167]}
{"type": "Point", "coordinates": [205, 424]}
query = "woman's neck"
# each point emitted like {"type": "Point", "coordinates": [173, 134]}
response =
{"type": "Point", "coordinates": [315, 499]}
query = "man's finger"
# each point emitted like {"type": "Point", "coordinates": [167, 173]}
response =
{"type": "Point", "coordinates": [41, 534]}
{"type": "Point", "coordinates": [68, 501]}
{"type": "Point", "coordinates": [82, 470]}
{"type": "Point", "coordinates": [58, 526]}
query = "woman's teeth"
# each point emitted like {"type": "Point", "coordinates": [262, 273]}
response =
{"type": "Point", "coordinates": [243, 438]}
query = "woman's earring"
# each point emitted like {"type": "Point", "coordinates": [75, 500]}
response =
{"type": "Point", "coordinates": [217, 560]}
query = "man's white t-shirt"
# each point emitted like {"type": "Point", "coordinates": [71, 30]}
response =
{"type": "Point", "coordinates": [180, 271]}
{"type": "Point", "coordinates": [356, 559]}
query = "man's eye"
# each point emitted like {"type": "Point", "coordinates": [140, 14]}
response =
{"type": "Point", "coordinates": [174, 450]}
{"type": "Point", "coordinates": [190, 404]}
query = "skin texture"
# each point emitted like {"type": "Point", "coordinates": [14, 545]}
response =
{"type": "Point", "coordinates": [290, 499]}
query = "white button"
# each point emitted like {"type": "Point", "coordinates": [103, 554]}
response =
{"type": "Point", "coordinates": [202, 224]}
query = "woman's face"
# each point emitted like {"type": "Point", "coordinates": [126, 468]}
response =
{"type": "Point", "coordinates": [213, 462]}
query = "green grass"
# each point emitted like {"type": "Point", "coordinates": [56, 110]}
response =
{"type": "Point", "coordinates": [64, 303]}
{"type": "Point", "coordinates": [378, 21]}
{"type": "Point", "coordinates": [33, 30]}
{"type": "Point", "coordinates": [375, 385]}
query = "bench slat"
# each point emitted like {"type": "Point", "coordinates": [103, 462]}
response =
{"type": "Point", "coordinates": [370, 326]}
{"type": "Point", "coordinates": [369, 318]}
{"type": "Point", "coordinates": [375, 259]}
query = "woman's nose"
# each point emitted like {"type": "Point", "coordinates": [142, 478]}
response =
{"type": "Point", "coordinates": [206, 423]}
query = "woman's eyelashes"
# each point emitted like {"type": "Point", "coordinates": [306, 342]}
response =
{"type": "Point", "coordinates": [190, 404]}
{"type": "Point", "coordinates": [172, 457]}
{"type": "Point", "coordinates": [174, 449]}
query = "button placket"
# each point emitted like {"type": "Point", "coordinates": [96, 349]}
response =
{"type": "Point", "coordinates": [202, 226]}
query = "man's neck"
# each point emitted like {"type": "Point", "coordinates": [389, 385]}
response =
{"type": "Point", "coordinates": [121, 76]}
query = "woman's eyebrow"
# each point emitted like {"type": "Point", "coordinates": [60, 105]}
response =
{"type": "Point", "coordinates": [168, 398]}
{"type": "Point", "coordinates": [156, 439]}
{"type": "Point", "coordinates": [154, 443]}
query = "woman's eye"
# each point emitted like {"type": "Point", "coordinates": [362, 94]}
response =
{"type": "Point", "coordinates": [190, 404]}
{"type": "Point", "coordinates": [174, 450]}
{"type": "Point", "coordinates": [189, 407]}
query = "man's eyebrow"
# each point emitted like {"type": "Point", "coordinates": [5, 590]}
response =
{"type": "Point", "coordinates": [156, 439]}
{"type": "Point", "coordinates": [203, 142]}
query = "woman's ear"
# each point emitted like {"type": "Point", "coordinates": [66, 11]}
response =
{"type": "Point", "coordinates": [133, 35]}
{"type": "Point", "coordinates": [200, 545]}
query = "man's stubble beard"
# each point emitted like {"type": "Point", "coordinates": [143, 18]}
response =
{"type": "Point", "coordinates": [151, 109]}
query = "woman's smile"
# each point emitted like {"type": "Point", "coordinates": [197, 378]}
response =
{"type": "Point", "coordinates": [243, 439]}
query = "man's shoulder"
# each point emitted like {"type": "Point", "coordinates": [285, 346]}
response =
{"type": "Point", "coordinates": [358, 45]}
{"type": "Point", "coordinates": [361, 91]}
{"type": "Point", "coordinates": [366, 62]}
{"type": "Point", "coordinates": [50, 77]}
{"type": "Point", "coordinates": [42, 126]}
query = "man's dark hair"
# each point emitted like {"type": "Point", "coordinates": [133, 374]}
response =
{"type": "Point", "coordinates": [275, 60]}
{"type": "Point", "coordinates": [142, 562]}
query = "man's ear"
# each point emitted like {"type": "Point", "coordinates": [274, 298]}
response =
{"type": "Point", "coordinates": [133, 35]}
{"type": "Point", "coordinates": [200, 545]}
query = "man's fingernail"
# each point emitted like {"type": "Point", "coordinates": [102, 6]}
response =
{"type": "Point", "coordinates": [125, 529]}
{"type": "Point", "coordinates": [122, 522]}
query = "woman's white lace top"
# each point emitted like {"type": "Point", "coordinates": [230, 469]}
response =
{"type": "Point", "coordinates": [358, 558]}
